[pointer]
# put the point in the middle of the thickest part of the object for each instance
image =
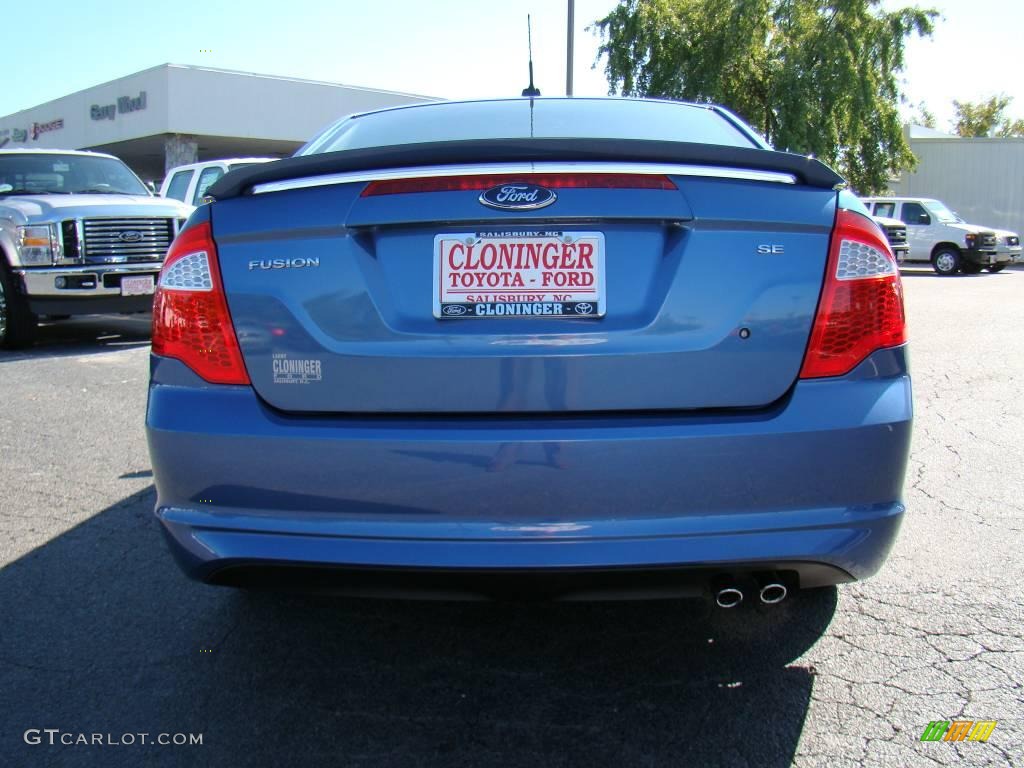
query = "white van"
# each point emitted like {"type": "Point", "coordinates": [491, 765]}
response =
{"type": "Point", "coordinates": [189, 183]}
{"type": "Point", "coordinates": [937, 235]}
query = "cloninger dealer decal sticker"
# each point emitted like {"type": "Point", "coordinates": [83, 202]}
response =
{"type": "Point", "coordinates": [295, 370]}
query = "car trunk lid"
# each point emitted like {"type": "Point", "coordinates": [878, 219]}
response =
{"type": "Point", "coordinates": [708, 292]}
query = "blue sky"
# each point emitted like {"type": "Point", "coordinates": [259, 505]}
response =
{"type": "Point", "coordinates": [449, 48]}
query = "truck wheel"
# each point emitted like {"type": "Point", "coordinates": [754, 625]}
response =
{"type": "Point", "coordinates": [946, 261]}
{"type": "Point", "coordinates": [970, 268]}
{"type": "Point", "coordinates": [17, 323]}
{"type": "Point", "coordinates": [996, 268]}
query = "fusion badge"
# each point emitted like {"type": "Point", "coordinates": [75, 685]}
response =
{"type": "Point", "coordinates": [284, 263]}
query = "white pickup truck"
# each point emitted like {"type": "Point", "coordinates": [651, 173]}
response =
{"type": "Point", "coordinates": [79, 234]}
{"type": "Point", "coordinates": [938, 236]}
{"type": "Point", "coordinates": [188, 183]}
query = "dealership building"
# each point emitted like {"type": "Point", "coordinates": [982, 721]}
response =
{"type": "Point", "coordinates": [173, 114]}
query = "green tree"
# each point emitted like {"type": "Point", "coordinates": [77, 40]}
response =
{"type": "Point", "coordinates": [986, 118]}
{"type": "Point", "coordinates": [923, 116]}
{"type": "Point", "coordinates": [814, 76]}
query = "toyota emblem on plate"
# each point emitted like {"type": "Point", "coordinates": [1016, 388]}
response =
{"type": "Point", "coordinates": [518, 196]}
{"type": "Point", "coordinates": [584, 308]}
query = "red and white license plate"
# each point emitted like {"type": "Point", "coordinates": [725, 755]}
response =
{"type": "Point", "coordinates": [536, 273]}
{"type": "Point", "coordinates": [138, 285]}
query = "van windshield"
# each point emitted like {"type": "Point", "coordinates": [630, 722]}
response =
{"type": "Point", "coordinates": [942, 213]}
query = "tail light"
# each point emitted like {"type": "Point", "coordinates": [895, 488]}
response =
{"type": "Point", "coordinates": [861, 306]}
{"type": "Point", "coordinates": [190, 312]}
{"type": "Point", "coordinates": [549, 180]}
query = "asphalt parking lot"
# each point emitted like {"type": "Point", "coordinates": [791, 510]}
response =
{"type": "Point", "coordinates": [101, 634]}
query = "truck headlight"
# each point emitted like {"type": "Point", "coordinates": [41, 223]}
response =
{"type": "Point", "coordinates": [38, 245]}
{"type": "Point", "coordinates": [969, 239]}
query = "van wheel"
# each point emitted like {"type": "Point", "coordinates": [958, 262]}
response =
{"type": "Point", "coordinates": [17, 323]}
{"type": "Point", "coordinates": [996, 268]}
{"type": "Point", "coordinates": [946, 261]}
{"type": "Point", "coordinates": [970, 268]}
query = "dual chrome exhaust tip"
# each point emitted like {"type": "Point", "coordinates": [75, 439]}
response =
{"type": "Point", "coordinates": [728, 597]}
{"type": "Point", "coordinates": [771, 591]}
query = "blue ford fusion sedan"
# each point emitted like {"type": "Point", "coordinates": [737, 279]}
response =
{"type": "Point", "coordinates": [569, 348]}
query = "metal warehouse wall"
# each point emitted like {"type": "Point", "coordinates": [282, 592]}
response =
{"type": "Point", "coordinates": [981, 179]}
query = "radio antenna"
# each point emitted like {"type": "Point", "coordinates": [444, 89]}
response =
{"type": "Point", "coordinates": [531, 90]}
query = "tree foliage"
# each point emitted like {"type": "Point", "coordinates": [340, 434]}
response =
{"type": "Point", "coordinates": [814, 76]}
{"type": "Point", "coordinates": [924, 116]}
{"type": "Point", "coordinates": [986, 118]}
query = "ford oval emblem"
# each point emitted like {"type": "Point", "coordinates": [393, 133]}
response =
{"type": "Point", "coordinates": [455, 310]}
{"type": "Point", "coordinates": [518, 196]}
{"type": "Point", "coordinates": [130, 236]}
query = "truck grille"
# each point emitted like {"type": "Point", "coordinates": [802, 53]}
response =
{"type": "Point", "coordinates": [896, 235]}
{"type": "Point", "coordinates": [112, 241]}
{"type": "Point", "coordinates": [69, 239]}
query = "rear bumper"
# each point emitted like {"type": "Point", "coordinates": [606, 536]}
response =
{"type": "Point", "coordinates": [811, 486]}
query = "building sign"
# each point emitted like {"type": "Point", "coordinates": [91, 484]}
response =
{"type": "Point", "coordinates": [17, 135]}
{"type": "Point", "coordinates": [124, 105]}
{"type": "Point", "coordinates": [40, 128]}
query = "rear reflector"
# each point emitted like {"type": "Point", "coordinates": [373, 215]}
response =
{"type": "Point", "coordinates": [861, 307]}
{"type": "Point", "coordinates": [190, 313]}
{"type": "Point", "coordinates": [551, 181]}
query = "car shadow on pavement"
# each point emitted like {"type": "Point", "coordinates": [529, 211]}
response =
{"type": "Point", "coordinates": [86, 335]}
{"type": "Point", "coordinates": [102, 634]}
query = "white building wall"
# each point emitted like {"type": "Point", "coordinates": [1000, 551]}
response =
{"type": "Point", "coordinates": [195, 101]}
{"type": "Point", "coordinates": [981, 179]}
{"type": "Point", "coordinates": [213, 102]}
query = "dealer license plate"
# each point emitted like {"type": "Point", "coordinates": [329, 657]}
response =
{"type": "Point", "coordinates": [536, 273]}
{"type": "Point", "coordinates": [139, 285]}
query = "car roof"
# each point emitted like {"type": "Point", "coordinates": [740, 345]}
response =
{"type": "Point", "coordinates": [30, 151]}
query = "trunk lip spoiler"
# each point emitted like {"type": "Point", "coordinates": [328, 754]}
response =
{"type": "Point", "coordinates": [523, 168]}
{"type": "Point", "coordinates": [806, 170]}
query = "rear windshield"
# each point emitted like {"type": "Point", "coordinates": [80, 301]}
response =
{"type": "Point", "coordinates": [524, 118]}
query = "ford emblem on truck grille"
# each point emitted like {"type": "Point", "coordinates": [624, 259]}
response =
{"type": "Point", "coordinates": [517, 196]}
{"type": "Point", "coordinates": [130, 236]}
